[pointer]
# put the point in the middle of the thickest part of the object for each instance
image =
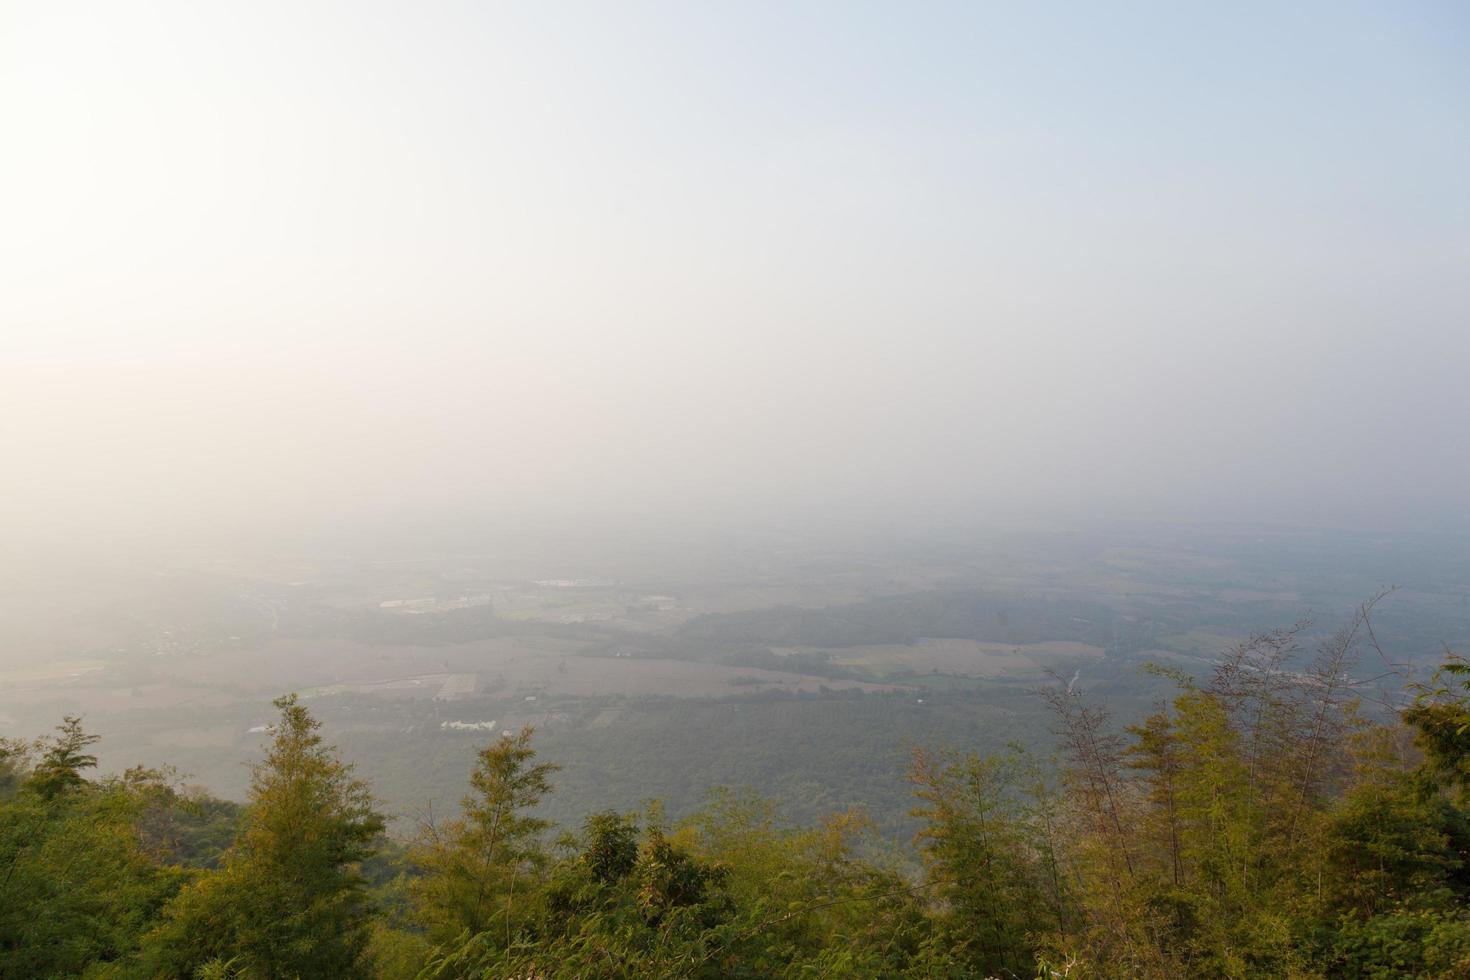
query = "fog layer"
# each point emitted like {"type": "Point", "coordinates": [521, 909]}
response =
{"type": "Point", "coordinates": [273, 267]}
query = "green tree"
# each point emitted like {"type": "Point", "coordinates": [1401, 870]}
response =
{"type": "Point", "coordinates": [79, 883]}
{"type": "Point", "coordinates": [15, 757]}
{"type": "Point", "coordinates": [289, 901]}
{"type": "Point", "coordinates": [1440, 720]}
{"type": "Point", "coordinates": [63, 759]}
{"type": "Point", "coordinates": [479, 871]}
{"type": "Point", "coordinates": [983, 862]}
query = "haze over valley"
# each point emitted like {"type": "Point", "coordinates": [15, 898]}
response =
{"type": "Point", "coordinates": [758, 490]}
{"type": "Point", "coordinates": [661, 664]}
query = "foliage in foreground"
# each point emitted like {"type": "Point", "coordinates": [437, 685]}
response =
{"type": "Point", "coordinates": [1256, 825]}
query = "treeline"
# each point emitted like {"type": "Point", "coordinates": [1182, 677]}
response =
{"type": "Point", "coordinates": [1258, 824]}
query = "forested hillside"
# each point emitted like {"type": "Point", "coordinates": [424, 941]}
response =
{"type": "Point", "coordinates": [1266, 821]}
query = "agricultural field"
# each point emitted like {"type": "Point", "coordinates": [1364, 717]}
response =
{"type": "Point", "coordinates": [42, 676]}
{"type": "Point", "coordinates": [969, 658]}
{"type": "Point", "coordinates": [796, 668]}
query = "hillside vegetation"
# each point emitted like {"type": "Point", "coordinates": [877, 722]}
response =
{"type": "Point", "coordinates": [1266, 821]}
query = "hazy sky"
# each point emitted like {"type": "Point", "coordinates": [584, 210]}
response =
{"type": "Point", "coordinates": [282, 265]}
